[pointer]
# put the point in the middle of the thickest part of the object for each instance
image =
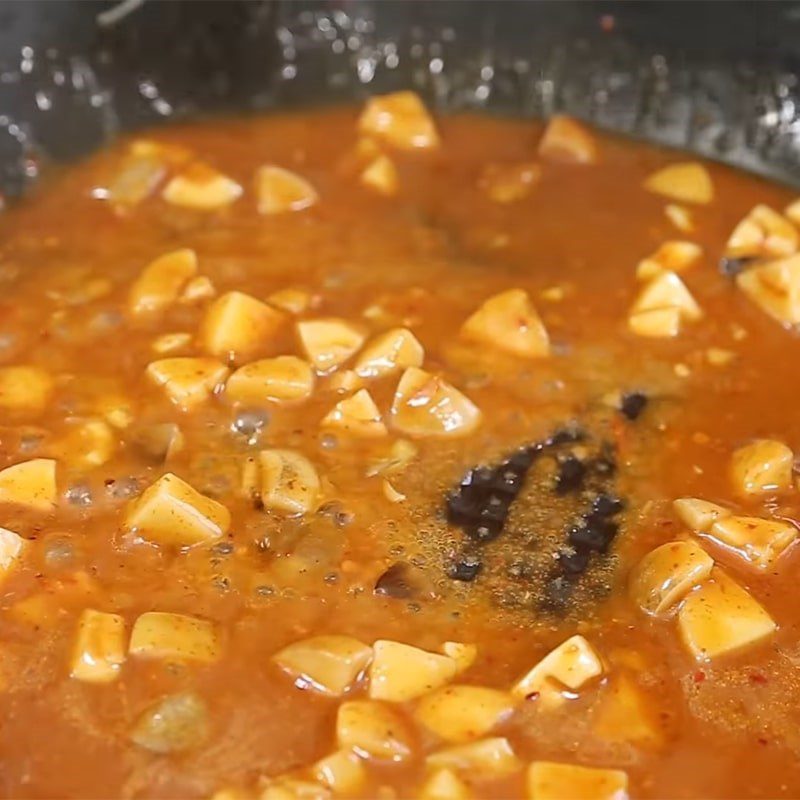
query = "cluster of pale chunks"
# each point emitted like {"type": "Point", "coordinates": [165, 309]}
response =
{"type": "Point", "coordinates": [461, 717]}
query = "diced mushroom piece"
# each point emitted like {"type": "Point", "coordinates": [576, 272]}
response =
{"type": "Point", "coordinates": [426, 405]}
{"type": "Point", "coordinates": [31, 484]}
{"type": "Point", "coordinates": [284, 378]}
{"type": "Point", "coordinates": [775, 288]}
{"type": "Point", "coordinates": [328, 343]}
{"type": "Point", "coordinates": [667, 574]}
{"type": "Point", "coordinates": [381, 176]}
{"type": "Point", "coordinates": [550, 780]}
{"type": "Point", "coordinates": [295, 301]}
{"type": "Point", "coordinates": [99, 650]}
{"type": "Point", "coordinates": [373, 730]}
{"type": "Point", "coordinates": [672, 256]}
{"type": "Point", "coordinates": [289, 482]}
{"type": "Point", "coordinates": [285, 788]}
{"type": "Point", "coordinates": [680, 217]}
{"type": "Point", "coordinates": [721, 617]}
{"type": "Point", "coordinates": [160, 283]}
{"type": "Point", "coordinates": [661, 323]}
{"type": "Point", "coordinates": [175, 724]}
{"type": "Point", "coordinates": [390, 351]}
{"type": "Point", "coordinates": [278, 190]}
{"type": "Point", "coordinates": [486, 758]}
{"type": "Point", "coordinates": [25, 390]}
{"type": "Point", "coordinates": [400, 672]}
{"type": "Point", "coordinates": [236, 327]}
{"type": "Point", "coordinates": [201, 188]}
{"type": "Point", "coordinates": [699, 515]}
{"type": "Point", "coordinates": [571, 665]}
{"type": "Point", "coordinates": [171, 512]}
{"type": "Point", "coordinates": [89, 443]}
{"type": "Point", "coordinates": [174, 637]}
{"type": "Point", "coordinates": [463, 713]}
{"type": "Point", "coordinates": [401, 120]}
{"type": "Point", "coordinates": [357, 415]}
{"type": "Point", "coordinates": [760, 542]}
{"type": "Point", "coordinates": [342, 772]}
{"type": "Point", "coordinates": [509, 322]}
{"type": "Point", "coordinates": [330, 665]}
{"type": "Point", "coordinates": [172, 342]}
{"type": "Point", "coordinates": [188, 382]}
{"type": "Point", "coordinates": [12, 547]}
{"type": "Point", "coordinates": [763, 233]}
{"type": "Point", "coordinates": [509, 183]}
{"type": "Point", "coordinates": [624, 714]}
{"type": "Point", "coordinates": [444, 784]}
{"type": "Point", "coordinates": [687, 182]}
{"type": "Point", "coordinates": [198, 289]}
{"type": "Point", "coordinates": [762, 467]}
{"type": "Point", "coordinates": [564, 139]}
{"type": "Point", "coordinates": [463, 654]}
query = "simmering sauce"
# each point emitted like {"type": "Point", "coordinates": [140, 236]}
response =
{"type": "Point", "coordinates": [338, 448]}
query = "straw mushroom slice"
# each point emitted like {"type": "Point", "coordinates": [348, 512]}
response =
{"type": "Point", "coordinates": [565, 139]}
{"type": "Point", "coordinates": [401, 120]}
{"type": "Point", "coordinates": [278, 190]}
{"type": "Point", "coordinates": [357, 415]}
{"type": "Point", "coordinates": [281, 379]}
{"type": "Point", "coordinates": [464, 713]}
{"type": "Point", "coordinates": [174, 637]}
{"type": "Point", "coordinates": [289, 482]}
{"type": "Point", "coordinates": [486, 758]}
{"type": "Point", "coordinates": [202, 188]}
{"type": "Point", "coordinates": [98, 652]}
{"type": "Point", "coordinates": [12, 548]}
{"type": "Point", "coordinates": [426, 405]}
{"type": "Point", "coordinates": [401, 672]}
{"type": "Point", "coordinates": [760, 542]}
{"type": "Point", "coordinates": [330, 342]}
{"type": "Point", "coordinates": [762, 467]}
{"type": "Point", "coordinates": [775, 288]}
{"type": "Point", "coordinates": [388, 352]}
{"type": "Point", "coordinates": [687, 182]}
{"type": "Point", "coordinates": [667, 574]}
{"type": "Point", "coordinates": [509, 322]}
{"type": "Point", "coordinates": [550, 780]}
{"type": "Point", "coordinates": [763, 233]}
{"type": "Point", "coordinates": [373, 730]}
{"type": "Point", "coordinates": [342, 772]}
{"type": "Point", "coordinates": [160, 282]}
{"type": "Point", "coordinates": [330, 665]}
{"type": "Point", "coordinates": [570, 666]}
{"type": "Point", "coordinates": [721, 617]}
{"type": "Point", "coordinates": [444, 784]}
{"type": "Point", "coordinates": [31, 484]}
{"type": "Point", "coordinates": [699, 515]}
{"type": "Point", "coordinates": [237, 326]}
{"type": "Point", "coordinates": [25, 390]}
{"type": "Point", "coordinates": [509, 183]}
{"type": "Point", "coordinates": [381, 176]}
{"type": "Point", "coordinates": [672, 256]}
{"type": "Point", "coordinates": [188, 382]}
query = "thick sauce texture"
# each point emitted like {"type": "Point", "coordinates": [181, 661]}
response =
{"type": "Point", "coordinates": [337, 448]}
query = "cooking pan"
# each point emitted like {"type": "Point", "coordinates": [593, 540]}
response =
{"type": "Point", "coordinates": [716, 78]}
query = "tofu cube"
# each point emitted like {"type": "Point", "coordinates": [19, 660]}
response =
{"type": "Point", "coordinates": [374, 731]}
{"type": "Point", "coordinates": [667, 290]}
{"type": "Point", "coordinates": [197, 290]}
{"type": "Point", "coordinates": [687, 182]}
{"type": "Point", "coordinates": [237, 327]}
{"type": "Point", "coordinates": [401, 672]}
{"type": "Point", "coordinates": [672, 256]}
{"type": "Point", "coordinates": [381, 176]}
{"type": "Point", "coordinates": [389, 352]}
{"type": "Point", "coordinates": [625, 714]}
{"type": "Point", "coordinates": [174, 637]}
{"type": "Point", "coordinates": [293, 301]}
{"type": "Point", "coordinates": [99, 650]}
{"type": "Point", "coordinates": [328, 343]}
{"type": "Point", "coordinates": [25, 390]}
{"type": "Point", "coordinates": [661, 323]}
{"type": "Point", "coordinates": [399, 119]}
{"type": "Point", "coordinates": [342, 772]}
{"type": "Point", "coordinates": [550, 780]}
{"type": "Point", "coordinates": [12, 548]}
{"type": "Point", "coordinates": [280, 379]}
{"type": "Point", "coordinates": [463, 654]}
{"type": "Point", "coordinates": [487, 758]}
{"type": "Point", "coordinates": [444, 784]}
{"type": "Point", "coordinates": [187, 382]}
{"type": "Point", "coordinates": [567, 141]}
{"type": "Point", "coordinates": [31, 484]}
{"type": "Point", "coordinates": [775, 288]}
{"type": "Point", "coordinates": [762, 467]}
{"type": "Point", "coordinates": [667, 574]}
{"type": "Point", "coordinates": [278, 191]}
{"type": "Point", "coordinates": [330, 665]}
{"type": "Point", "coordinates": [172, 513]}
{"type": "Point", "coordinates": [699, 515]}
{"type": "Point", "coordinates": [760, 542]}
{"type": "Point", "coordinates": [201, 188]}
{"type": "Point", "coordinates": [721, 617]}
{"type": "Point", "coordinates": [763, 233]}
{"type": "Point", "coordinates": [289, 482]}
{"type": "Point", "coordinates": [357, 416]}
{"type": "Point", "coordinates": [161, 281]}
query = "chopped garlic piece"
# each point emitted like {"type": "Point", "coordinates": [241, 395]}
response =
{"type": "Point", "coordinates": [357, 415]}
{"type": "Point", "coordinates": [12, 548]}
{"type": "Point", "coordinates": [373, 730]}
{"type": "Point", "coordinates": [509, 322]}
{"type": "Point", "coordinates": [764, 466]}
{"type": "Point", "coordinates": [721, 617]}
{"type": "Point", "coordinates": [572, 664]}
{"type": "Point", "coordinates": [202, 188]}
{"type": "Point", "coordinates": [295, 301]}
{"type": "Point", "coordinates": [174, 637]}
{"type": "Point", "coordinates": [400, 672]}
{"type": "Point", "coordinates": [278, 190]}
{"type": "Point", "coordinates": [680, 217]}
{"type": "Point", "coordinates": [329, 665]}
{"type": "Point", "coordinates": [289, 482]}
{"type": "Point", "coordinates": [25, 389]}
{"type": "Point", "coordinates": [509, 183]}
{"type": "Point", "coordinates": [400, 119]}
{"type": "Point", "coordinates": [775, 288]}
{"type": "Point", "coordinates": [487, 758]}
{"type": "Point", "coordinates": [161, 281]}
{"type": "Point", "coordinates": [426, 405]}
{"type": "Point", "coordinates": [444, 784]}
{"type": "Point", "coordinates": [463, 713]}
{"type": "Point", "coordinates": [172, 342]}
{"type": "Point", "coordinates": [342, 772]}
{"type": "Point", "coordinates": [667, 574]}
{"type": "Point", "coordinates": [188, 382]}
{"type": "Point", "coordinates": [564, 139]}
{"type": "Point", "coordinates": [391, 494]}
{"type": "Point", "coordinates": [763, 233]}
{"type": "Point", "coordinates": [381, 176]}
{"type": "Point", "coordinates": [99, 650]}
{"type": "Point", "coordinates": [390, 351]}
{"type": "Point", "coordinates": [759, 542]}
{"type": "Point", "coordinates": [719, 357]}
{"type": "Point", "coordinates": [699, 515]}
{"type": "Point", "coordinates": [550, 780]}
{"type": "Point", "coordinates": [687, 182]}
{"type": "Point", "coordinates": [284, 378]}
{"type": "Point", "coordinates": [328, 343]}
{"type": "Point", "coordinates": [31, 484]}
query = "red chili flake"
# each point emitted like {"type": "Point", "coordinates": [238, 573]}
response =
{"type": "Point", "coordinates": [532, 696]}
{"type": "Point", "coordinates": [699, 676]}
{"type": "Point", "coordinates": [762, 740]}
{"type": "Point", "coordinates": [757, 677]}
